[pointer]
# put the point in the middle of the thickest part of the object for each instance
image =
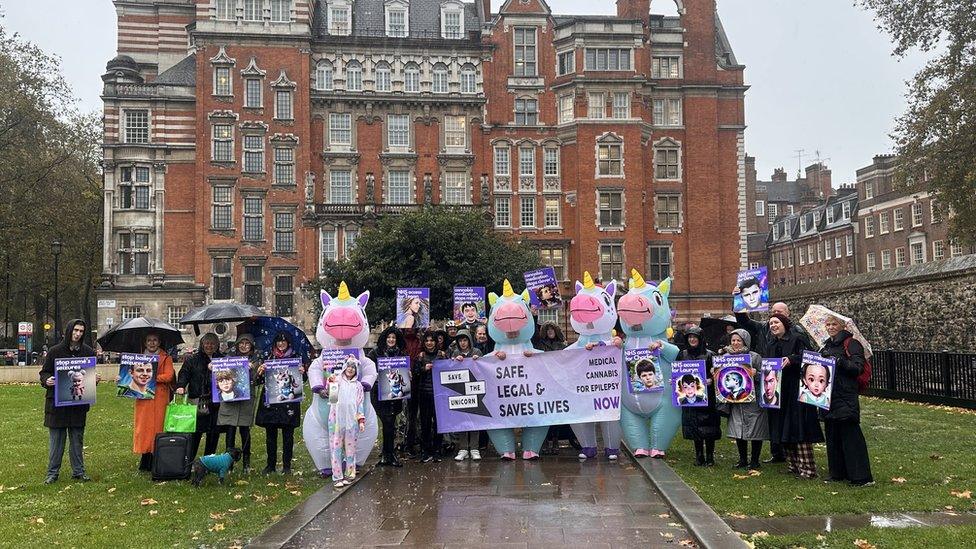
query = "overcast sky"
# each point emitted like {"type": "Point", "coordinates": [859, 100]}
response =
{"type": "Point", "coordinates": [821, 74]}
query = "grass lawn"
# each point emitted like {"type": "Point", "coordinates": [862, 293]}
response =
{"type": "Point", "coordinates": [122, 506]}
{"type": "Point", "coordinates": [880, 538]}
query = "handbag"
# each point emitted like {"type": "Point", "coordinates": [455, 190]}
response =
{"type": "Point", "coordinates": [180, 417]}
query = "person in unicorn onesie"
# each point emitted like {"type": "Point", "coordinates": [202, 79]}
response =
{"type": "Point", "coordinates": [649, 421]}
{"type": "Point", "coordinates": [593, 316]}
{"type": "Point", "coordinates": [511, 325]}
{"type": "Point", "coordinates": [343, 325]}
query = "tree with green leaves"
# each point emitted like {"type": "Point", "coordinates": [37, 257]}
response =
{"type": "Point", "coordinates": [936, 136]}
{"type": "Point", "coordinates": [434, 248]}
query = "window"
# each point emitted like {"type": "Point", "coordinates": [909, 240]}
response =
{"type": "Point", "coordinates": [225, 12]}
{"type": "Point", "coordinates": [411, 78]}
{"type": "Point", "coordinates": [175, 314]}
{"type": "Point", "coordinates": [253, 218]}
{"type": "Point", "coordinates": [760, 207]}
{"type": "Point", "coordinates": [340, 187]}
{"type": "Point", "coordinates": [566, 105]}
{"type": "Point", "coordinates": [826, 250]}
{"type": "Point", "coordinates": [917, 214]}
{"type": "Point", "coordinates": [254, 285]}
{"type": "Point", "coordinates": [398, 187]}
{"type": "Point", "coordinates": [284, 166]}
{"type": "Point", "coordinates": [223, 143]}
{"type": "Point", "coordinates": [455, 132]}
{"type": "Point", "coordinates": [885, 259]}
{"type": "Point", "coordinates": [917, 250]}
{"type": "Point", "coordinates": [899, 216]}
{"type": "Point", "coordinates": [667, 112]}
{"type": "Point", "coordinates": [610, 159]}
{"type": "Point", "coordinates": [252, 93]}
{"type": "Point", "coordinates": [621, 105]}
{"type": "Point", "coordinates": [221, 286]}
{"type": "Point", "coordinates": [223, 208]}
{"type": "Point", "coordinates": [666, 166]}
{"type": "Point", "coordinates": [284, 240]}
{"type": "Point", "coordinates": [812, 253]}
{"type": "Point", "coordinates": [134, 253]}
{"type": "Point", "coordinates": [550, 162]}
{"type": "Point", "coordinates": [883, 223]}
{"type": "Point", "coordinates": [222, 81]}
{"type": "Point", "coordinates": [453, 25]}
{"type": "Point", "coordinates": [850, 245]}
{"type": "Point", "coordinates": [503, 211]}
{"type": "Point", "coordinates": [552, 215]}
{"type": "Point", "coordinates": [527, 161]}
{"type": "Point", "coordinates": [869, 190]}
{"type": "Point", "coordinates": [339, 20]}
{"type": "Point", "coordinates": [525, 51]}
{"type": "Point", "coordinates": [611, 261]}
{"type": "Point", "coordinates": [607, 59]}
{"type": "Point", "coordinates": [667, 214]}
{"type": "Point", "coordinates": [830, 214]}
{"type": "Point", "coordinates": [396, 22]}
{"type": "Point", "coordinates": [280, 11]}
{"type": "Point", "coordinates": [775, 232]}
{"type": "Point", "coordinates": [398, 131]}
{"type": "Point", "coordinates": [955, 250]}
{"type": "Point", "coordinates": [527, 211]}
{"type": "Point", "coordinates": [340, 130]}
{"type": "Point", "coordinates": [469, 82]}
{"type": "Point", "coordinates": [253, 154]}
{"type": "Point", "coordinates": [440, 78]}
{"type": "Point", "coordinates": [611, 208]}
{"type": "Point", "coordinates": [846, 210]}
{"type": "Point", "coordinates": [134, 188]}
{"type": "Point", "coordinates": [803, 256]}
{"type": "Point", "coordinates": [871, 262]}
{"type": "Point", "coordinates": [837, 247]}
{"type": "Point", "coordinates": [252, 10]}
{"type": "Point", "coordinates": [327, 237]}
{"type": "Point", "coordinates": [456, 188]}
{"type": "Point", "coordinates": [526, 112]}
{"type": "Point", "coordinates": [938, 250]}
{"type": "Point", "coordinates": [136, 126]}
{"type": "Point", "coordinates": [665, 66]}
{"type": "Point", "coordinates": [566, 63]}
{"type": "Point", "coordinates": [658, 262]}
{"type": "Point", "coordinates": [284, 295]}
{"type": "Point", "coordinates": [350, 236]}
{"type": "Point", "coordinates": [869, 227]}
{"type": "Point", "coordinates": [323, 75]}
{"type": "Point", "coordinates": [900, 257]}
{"type": "Point", "coordinates": [773, 210]}
{"type": "Point", "coordinates": [383, 77]}
{"type": "Point", "coordinates": [128, 313]}
{"type": "Point", "coordinates": [503, 165]}
{"type": "Point", "coordinates": [789, 208]}
{"type": "Point", "coordinates": [283, 105]}
{"type": "Point", "coordinates": [596, 105]}
{"type": "Point", "coordinates": [354, 76]}
{"type": "Point", "coordinates": [934, 212]}
{"type": "Point", "coordinates": [554, 257]}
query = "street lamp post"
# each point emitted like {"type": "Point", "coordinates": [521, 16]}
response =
{"type": "Point", "coordinates": [56, 250]}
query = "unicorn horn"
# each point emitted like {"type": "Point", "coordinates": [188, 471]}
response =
{"type": "Point", "coordinates": [343, 291]}
{"type": "Point", "coordinates": [638, 279]}
{"type": "Point", "coordinates": [507, 289]}
{"type": "Point", "coordinates": [587, 280]}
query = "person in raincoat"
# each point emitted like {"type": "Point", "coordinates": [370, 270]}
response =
{"type": "Point", "coordinates": [390, 343]}
{"type": "Point", "coordinates": [239, 414]}
{"type": "Point", "coordinates": [747, 421]}
{"type": "Point", "coordinates": [703, 425]}
{"type": "Point", "coordinates": [150, 413]}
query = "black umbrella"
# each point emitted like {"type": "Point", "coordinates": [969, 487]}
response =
{"type": "Point", "coordinates": [128, 336]}
{"type": "Point", "coordinates": [714, 330]}
{"type": "Point", "coordinates": [220, 312]}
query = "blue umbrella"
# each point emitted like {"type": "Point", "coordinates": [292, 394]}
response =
{"type": "Point", "coordinates": [265, 328]}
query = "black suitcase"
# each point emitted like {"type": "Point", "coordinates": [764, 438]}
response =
{"type": "Point", "coordinates": [171, 460]}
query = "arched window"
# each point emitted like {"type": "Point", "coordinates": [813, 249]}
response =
{"type": "Point", "coordinates": [323, 75]}
{"type": "Point", "coordinates": [354, 76]}
{"type": "Point", "coordinates": [383, 83]}
{"type": "Point", "coordinates": [411, 78]}
{"type": "Point", "coordinates": [440, 78]}
{"type": "Point", "coordinates": [469, 82]}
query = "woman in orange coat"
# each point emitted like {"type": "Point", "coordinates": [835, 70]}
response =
{"type": "Point", "coordinates": [149, 414]}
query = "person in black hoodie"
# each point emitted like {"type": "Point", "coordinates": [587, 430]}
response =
{"type": "Point", "coordinates": [423, 365]}
{"type": "Point", "coordinates": [66, 422]}
{"type": "Point", "coordinates": [847, 451]}
{"type": "Point", "coordinates": [390, 343]}
{"type": "Point", "coordinates": [194, 381]}
{"type": "Point", "coordinates": [703, 425]}
{"type": "Point", "coordinates": [785, 342]}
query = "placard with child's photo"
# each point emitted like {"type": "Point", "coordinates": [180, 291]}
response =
{"type": "Point", "coordinates": [230, 379]}
{"type": "Point", "coordinates": [753, 294]}
{"type": "Point", "coordinates": [816, 380]}
{"type": "Point", "coordinates": [137, 376]}
{"type": "Point", "coordinates": [543, 288]}
{"type": "Point", "coordinates": [733, 379]}
{"type": "Point", "coordinates": [393, 377]}
{"type": "Point", "coordinates": [688, 384]}
{"type": "Point", "coordinates": [469, 304]}
{"type": "Point", "coordinates": [643, 370]}
{"type": "Point", "coordinates": [771, 376]}
{"type": "Point", "coordinates": [283, 381]}
{"type": "Point", "coordinates": [413, 307]}
{"type": "Point", "coordinates": [74, 381]}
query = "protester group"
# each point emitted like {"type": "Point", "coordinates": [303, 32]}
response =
{"type": "Point", "coordinates": [770, 379]}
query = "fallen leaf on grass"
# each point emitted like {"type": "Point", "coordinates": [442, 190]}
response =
{"type": "Point", "coordinates": [217, 527]}
{"type": "Point", "coordinates": [863, 544]}
{"type": "Point", "coordinates": [181, 511]}
{"type": "Point", "coordinates": [273, 484]}
{"type": "Point", "coordinates": [216, 516]}
{"type": "Point", "coordinates": [664, 515]}
{"type": "Point", "coordinates": [772, 514]}
{"type": "Point", "coordinates": [295, 493]}
{"type": "Point", "coordinates": [751, 473]}
{"type": "Point", "coordinates": [122, 524]}
{"type": "Point", "coordinates": [686, 543]}
{"type": "Point", "coordinates": [821, 537]}
{"type": "Point", "coordinates": [799, 498]}
{"type": "Point", "coordinates": [746, 497]}
{"type": "Point", "coordinates": [38, 520]}
{"type": "Point", "coordinates": [737, 515]}
{"type": "Point", "coordinates": [935, 457]}
{"type": "Point", "coordinates": [948, 508]}
{"type": "Point", "coordinates": [238, 496]}
{"type": "Point", "coordinates": [234, 510]}
{"type": "Point", "coordinates": [968, 494]}
{"type": "Point", "coordinates": [666, 535]}
{"type": "Point", "coordinates": [153, 512]}
{"type": "Point", "coordinates": [112, 489]}
{"type": "Point", "coordinates": [242, 482]}
{"type": "Point", "coordinates": [761, 534]}
{"type": "Point", "coordinates": [833, 493]}
{"type": "Point", "coordinates": [899, 480]}
{"type": "Point", "coordinates": [148, 501]}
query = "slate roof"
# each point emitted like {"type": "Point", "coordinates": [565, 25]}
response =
{"type": "Point", "coordinates": [757, 241]}
{"type": "Point", "coordinates": [183, 73]}
{"type": "Point", "coordinates": [369, 18]}
{"type": "Point", "coordinates": [784, 191]}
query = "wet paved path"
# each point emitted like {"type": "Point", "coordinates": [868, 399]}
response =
{"type": "Point", "coordinates": [557, 500]}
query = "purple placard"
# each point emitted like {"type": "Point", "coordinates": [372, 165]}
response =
{"type": "Point", "coordinates": [543, 288]}
{"type": "Point", "coordinates": [413, 307]}
{"type": "Point", "coordinates": [74, 381]}
{"type": "Point", "coordinates": [334, 359]}
{"type": "Point", "coordinates": [689, 384]}
{"type": "Point", "coordinates": [464, 298]}
{"type": "Point", "coordinates": [753, 294]}
{"type": "Point", "coordinates": [644, 371]}
{"type": "Point", "coordinates": [137, 376]}
{"type": "Point", "coordinates": [733, 379]}
{"type": "Point", "coordinates": [283, 381]}
{"type": "Point", "coordinates": [771, 377]}
{"type": "Point", "coordinates": [393, 377]}
{"type": "Point", "coordinates": [230, 379]}
{"type": "Point", "coordinates": [816, 380]}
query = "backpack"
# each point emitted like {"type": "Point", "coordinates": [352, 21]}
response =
{"type": "Point", "coordinates": [865, 376]}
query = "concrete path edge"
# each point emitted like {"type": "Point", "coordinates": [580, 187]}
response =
{"type": "Point", "coordinates": [704, 524]}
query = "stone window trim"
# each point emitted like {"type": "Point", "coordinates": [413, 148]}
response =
{"type": "Point", "coordinates": [353, 181]}
{"type": "Point", "coordinates": [324, 77]}
{"type": "Point", "coordinates": [565, 62]}
{"type": "Point", "coordinates": [462, 133]}
{"type": "Point", "coordinates": [253, 193]}
{"type": "Point", "coordinates": [223, 183]}
{"type": "Point", "coordinates": [134, 250]}
{"type": "Point", "coordinates": [610, 139]}
{"type": "Point", "coordinates": [399, 166]}
{"type": "Point", "coordinates": [454, 8]}
{"type": "Point", "coordinates": [124, 136]}
{"type": "Point", "coordinates": [667, 66]}
{"type": "Point", "coordinates": [455, 168]}
{"type": "Point", "coordinates": [283, 84]}
{"type": "Point", "coordinates": [664, 225]}
{"type": "Point", "coordinates": [292, 209]}
{"type": "Point", "coordinates": [227, 254]}
{"type": "Point", "coordinates": [546, 213]}
{"type": "Point", "coordinates": [656, 268]}
{"type": "Point", "coordinates": [135, 186]}
{"type": "Point", "coordinates": [469, 79]}
{"type": "Point", "coordinates": [248, 129]}
{"type": "Point", "coordinates": [218, 142]}
{"type": "Point", "coordinates": [610, 192]}
{"type": "Point", "coordinates": [383, 77]}
{"type": "Point", "coordinates": [339, 146]}
{"type": "Point", "coordinates": [328, 231]}
{"type": "Point", "coordinates": [671, 144]}
{"type": "Point", "coordinates": [399, 147]}
{"type": "Point", "coordinates": [224, 61]}
{"type": "Point", "coordinates": [340, 28]}
{"type": "Point", "coordinates": [503, 212]}
{"type": "Point", "coordinates": [398, 8]}
{"type": "Point", "coordinates": [525, 42]}
{"type": "Point", "coordinates": [526, 111]}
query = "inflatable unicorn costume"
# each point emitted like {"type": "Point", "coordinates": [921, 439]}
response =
{"type": "Point", "coordinates": [649, 420]}
{"type": "Point", "coordinates": [593, 316]}
{"type": "Point", "coordinates": [343, 325]}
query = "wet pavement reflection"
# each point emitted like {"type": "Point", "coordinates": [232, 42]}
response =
{"type": "Point", "coordinates": [809, 524]}
{"type": "Point", "coordinates": [499, 504]}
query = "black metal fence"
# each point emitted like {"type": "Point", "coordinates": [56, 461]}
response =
{"type": "Point", "coordinates": [924, 376]}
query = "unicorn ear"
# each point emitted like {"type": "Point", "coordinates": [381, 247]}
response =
{"type": "Point", "coordinates": [611, 288]}
{"type": "Point", "coordinates": [492, 298]}
{"type": "Point", "coordinates": [363, 299]}
{"type": "Point", "coordinates": [579, 286]}
{"type": "Point", "coordinates": [525, 295]}
{"type": "Point", "coordinates": [665, 286]}
{"type": "Point", "coordinates": [326, 298]}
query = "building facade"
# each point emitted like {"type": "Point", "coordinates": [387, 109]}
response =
{"type": "Point", "coordinates": [249, 141]}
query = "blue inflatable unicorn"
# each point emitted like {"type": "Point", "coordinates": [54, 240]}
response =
{"type": "Point", "coordinates": [511, 325]}
{"type": "Point", "coordinates": [649, 421]}
{"type": "Point", "coordinates": [593, 316]}
{"type": "Point", "coordinates": [343, 325]}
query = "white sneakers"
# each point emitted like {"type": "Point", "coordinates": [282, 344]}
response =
{"type": "Point", "coordinates": [476, 455]}
{"type": "Point", "coordinates": [462, 455]}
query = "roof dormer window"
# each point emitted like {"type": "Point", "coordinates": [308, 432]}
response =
{"type": "Point", "coordinates": [397, 21]}
{"type": "Point", "coordinates": [340, 19]}
{"type": "Point", "coordinates": [452, 20]}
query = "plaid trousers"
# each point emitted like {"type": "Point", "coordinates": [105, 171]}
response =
{"type": "Point", "coordinates": [799, 459]}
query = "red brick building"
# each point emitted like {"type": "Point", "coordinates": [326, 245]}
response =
{"type": "Point", "coordinates": [248, 141]}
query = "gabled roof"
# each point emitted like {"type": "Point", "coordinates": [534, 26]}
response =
{"type": "Point", "coordinates": [183, 73]}
{"type": "Point", "coordinates": [784, 191]}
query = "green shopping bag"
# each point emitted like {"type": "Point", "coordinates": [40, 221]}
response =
{"type": "Point", "coordinates": [180, 418]}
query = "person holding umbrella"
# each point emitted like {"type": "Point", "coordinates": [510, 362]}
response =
{"type": "Point", "coordinates": [239, 414]}
{"type": "Point", "coordinates": [282, 417]}
{"type": "Point", "coordinates": [150, 413]}
{"type": "Point", "coordinates": [194, 381]}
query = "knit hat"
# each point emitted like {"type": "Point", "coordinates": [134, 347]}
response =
{"type": "Point", "coordinates": [787, 323]}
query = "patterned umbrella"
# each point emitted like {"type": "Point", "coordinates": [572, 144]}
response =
{"type": "Point", "coordinates": [815, 321]}
{"type": "Point", "coordinates": [265, 328]}
{"type": "Point", "coordinates": [128, 336]}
